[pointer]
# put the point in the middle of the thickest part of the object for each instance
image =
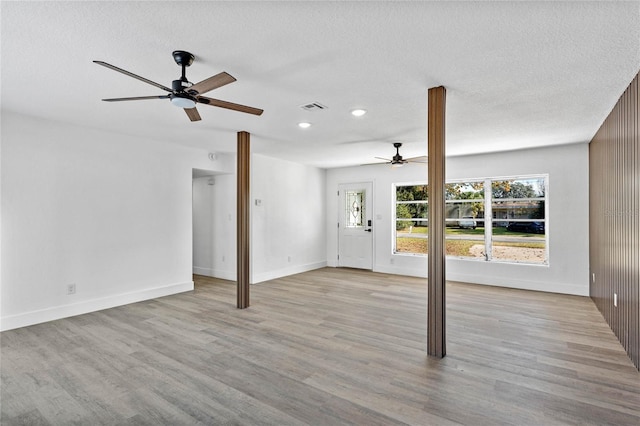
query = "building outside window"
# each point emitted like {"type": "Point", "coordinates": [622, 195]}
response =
{"type": "Point", "coordinates": [493, 219]}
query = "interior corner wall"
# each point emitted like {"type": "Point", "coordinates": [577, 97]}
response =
{"type": "Point", "coordinates": [568, 220]}
{"type": "Point", "coordinates": [615, 220]}
{"type": "Point", "coordinates": [214, 226]}
{"type": "Point", "coordinates": [288, 233]}
{"type": "Point", "coordinates": [106, 212]}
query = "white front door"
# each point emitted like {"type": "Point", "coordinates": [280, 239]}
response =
{"type": "Point", "coordinates": [355, 230]}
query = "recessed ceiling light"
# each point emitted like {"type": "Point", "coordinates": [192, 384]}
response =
{"type": "Point", "coordinates": [359, 112]}
{"type": "Point", "coordinates": [304, 125]}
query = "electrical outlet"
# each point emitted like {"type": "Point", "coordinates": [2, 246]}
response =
{"type": "Point", "coordinates": [615, 299]}
{"type": "Point", "coordinates": [71, 289]}
{"type": "Point", "coordinates": [288, 258]}
{"type": "Point", "coordinates": [392, 261]}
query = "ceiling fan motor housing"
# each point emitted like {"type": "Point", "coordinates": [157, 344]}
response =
{"type": "Point", "coordinates": [180, 85]}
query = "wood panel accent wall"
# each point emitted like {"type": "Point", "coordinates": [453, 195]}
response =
{"type": "Point", "coordinates": [436, 302]}
{"type": "Point", "coordinates": [243, 219]}
{"type": "Point", "coordinates": [614, 209]}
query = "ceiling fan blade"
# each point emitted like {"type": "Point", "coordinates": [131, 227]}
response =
{"type": "Point", "coordinates": [420, 159]}
{"type": "Point", "coordinates": [193, 114]}
{"type": "Point", "coordinates": [229, 105]}
{"type": "Point", "coordinates": [385, 159]}
{"type": "Point", "coordinates": [376, 164]}
{"type": "Point", "coordinates": [136, 98]}
{"type": "Point", "coordinates": [130, 74]}
{"type": "Point", "coordinates": [211, 83]}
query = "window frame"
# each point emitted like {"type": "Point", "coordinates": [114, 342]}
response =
{"type": "Point", "coordinates": [468, 201]}
{"type": "Point", "coordinates": [394, 206]}
{"type": "Point", "coordinates": [488, 216]}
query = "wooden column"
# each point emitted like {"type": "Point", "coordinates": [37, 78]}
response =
{"type": "Point", "coordinates": [437, 256]}
{"type": "Point", "coordinates": [243, 219]}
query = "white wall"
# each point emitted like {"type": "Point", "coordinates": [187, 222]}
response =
{"type": "Point", "coordinates": [287, 232]}
{"type": "Point", "coordinates": [108, 213]}
{"type": "Point", "coordinates": [288, 227]}
{"type": "Point", "coordinates": [568, 220]}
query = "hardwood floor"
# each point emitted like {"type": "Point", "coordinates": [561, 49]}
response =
{"type": "Point", "coordinates": [327, 347]}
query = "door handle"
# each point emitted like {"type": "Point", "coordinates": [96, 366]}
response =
{"type": "Point", "coordinates": [368, 230]}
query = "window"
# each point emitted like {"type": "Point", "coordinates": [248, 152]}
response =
{"type": "Point", "coordinates": [518, 220]}
{"type": "Point", "coordinates": [464, 219]}
{"type": "Point", "coordinates": [411, 228]}
{"type": "Point", "coordinates": [494, 219]}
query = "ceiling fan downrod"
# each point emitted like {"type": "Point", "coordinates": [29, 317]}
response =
{"type": "Point", "coordinates": [397, 158]}
{"type": "Point", "coordinates": [184, 59]}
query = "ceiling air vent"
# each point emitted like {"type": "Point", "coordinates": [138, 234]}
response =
{"type": "Point", "coordinates": [313, 106]}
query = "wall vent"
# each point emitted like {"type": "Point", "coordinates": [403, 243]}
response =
{"type": "Point", "coordinates": [313, 106]}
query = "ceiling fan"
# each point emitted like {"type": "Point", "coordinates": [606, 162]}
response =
{"type": "Point", "coordinates": [185, 94]}
{"type": "Point", "coordinates": [398, 161]}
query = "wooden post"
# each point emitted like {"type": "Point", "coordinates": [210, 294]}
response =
{"type": "Point", "coordinates": [436, 301]}
{"type": "Point", "coordinates": [243, 219]}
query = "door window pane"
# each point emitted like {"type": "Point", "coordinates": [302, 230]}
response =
{"type": "Point", "coordinates": [354, 209]}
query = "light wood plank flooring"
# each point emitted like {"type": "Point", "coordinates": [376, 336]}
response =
{"type": "Point", "coordinates": [327, 347]}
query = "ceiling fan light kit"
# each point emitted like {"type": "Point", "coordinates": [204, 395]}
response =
{"type": "Point", "coordinates": [183, 101]}
{"type": "Point", "coordinates": [185, 94]}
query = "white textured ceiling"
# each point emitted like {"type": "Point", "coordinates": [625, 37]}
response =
{"type": "Point", "coordinates": [517, 74]}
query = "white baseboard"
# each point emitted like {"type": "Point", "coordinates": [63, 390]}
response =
{"type": "Point", "coordinates": [284, 272]}
{"type": "Point", "coordinates": [57, 312]}
{"type": "Point", "coordinates": [496, 281]}
{"type": "Point", "coordinates": [215, 273]}
{"type": "Point", "coordinates": [508, 282]}
{"type": "Point", "coordinates": [548, 287]}
{"type": "Point", "coordinates": [411, 272]}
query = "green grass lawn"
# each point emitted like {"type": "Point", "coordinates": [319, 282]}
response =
{"type": "Point", "coordinates": [421, 246]}
{"type": "Point", "coordinates": [453, 247]}
{"type": "Point", "coordinates": [477, 231]}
